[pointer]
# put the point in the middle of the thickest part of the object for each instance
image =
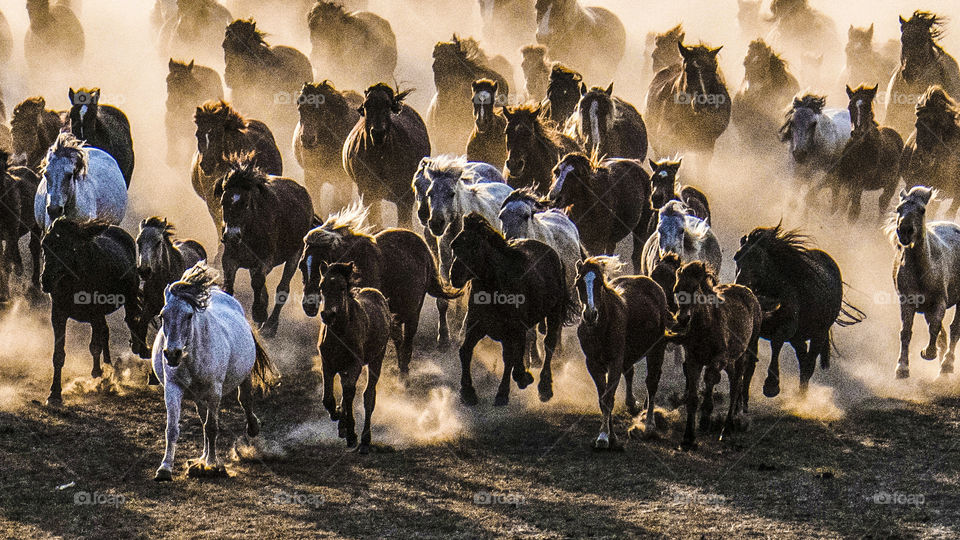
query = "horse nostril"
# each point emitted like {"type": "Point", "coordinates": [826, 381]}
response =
{"type": "Point", "coordinates": [55, 211]}
{"type": "Point", "coordinates": [173, 356]}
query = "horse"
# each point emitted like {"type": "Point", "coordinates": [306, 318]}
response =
{"type": "Point", "coordinates": [79, 182]}
{"type": "Point", "coordinates": [606, 199]}
{"type": "Point", "coordinates": [665, 54]}
{"type": "Point", "coordinates": [488, 140]}
{"type": "Point", "coordinates": [749, 20]}
{"type": "Point", "coordinates": [89, 271]}
{"type": "Point", "coordinates": [383, 150]}
{"type": "Point", "coordinates": [623, 320]}
{"type": "Point", "coordinates": [34, 128]}
{"type": "Point", "coordinates": [205, 348]}
{"type": "Point", "coordinates": [326, 118]}
{"type": "Point", "coordinates": [534, 146]}
{"type": "Point", "coordinates": [804, 287]}
{"type": "Point", "coordinates": [517, 285]}
{"type": "Point", "coordinates": [931, 154]}
{"type": "Point", "coordinates": [607, 124]}
{"type": "Point", "coordinates": [221, 133]}
{"type": "Point", "coordinates": [923, 63]}
{"type": "Point", "coordinates": [523, 215]}
{"type": "Point", "coordinates": [18, 185]}
{"type": "Point", "coordinates": [798, 27]}
{"type": "Point", "coordinates": [194, 28]}
{"type": "Point", "coordinates": [925, 274]}
{"type": "Point", "coordinates": [768, 88]}
{"type": "Point", "coordinates": [161, 260]}
{"type": "Point", "coordinates": [265, 218]}
{"type": "Point", "coordinates": [864, 62]}
{"type": "Point", "coordinates": [667, 187]}
{"type": "Point", "coordinates": [719, 329]}
{"type": "Point", "coordinates": [871, 158]}
{"type": "Point", "coordinates": [396, 262]}
{"type": "Point", "coordinates": [689, 108]}
{"type": "Point", "coordinates": [816, 136]}
{"type": "Point", "coordinates": [188, 87]}
{"type": "Point", "coordinates": [591, 38]}
{"type": "Point", "coordinates": [355, 331]}
{"type": "Point", "coordinates": [260, 76]}
{"type": "Point", "coordinates": [508, 23]}
{"type": "Point", "coordinates": [358, 46]}
{"type": "Point", "coordinates": [457, 64]}
{"type": "Point", "coordinates": [55, 37]}
{"type": "Point", "coordinates": [563, 93]}
{"type": "Point", "coordinates": [536, 72]}
{"type": "Point", "coordinates": [102, 126]}
{"type": "Point", "coordinates": [679, 231]}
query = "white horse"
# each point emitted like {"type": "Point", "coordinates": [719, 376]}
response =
{"type": "Point", "coordinates": [205, 348]}
{"type": "Point", "coordinates": [684, 234]}
{"type": "Point", "coordinates": [817, 137]}
{"type": "Point", "coordinates": [79, 182]}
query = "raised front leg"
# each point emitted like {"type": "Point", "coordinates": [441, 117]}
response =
{"type": "Point", "coordinates": [58, 319]}
{"type": "Point", "coordinates": [771, 386]}
{"type": "Point", "coordinates": [907, 312]}
{"type": "Point", "coordinates": [934, 319]}
{"type": "Point", "coordinates": [173, 397]}
{"type": "Point", "coordinates": [280, 298]}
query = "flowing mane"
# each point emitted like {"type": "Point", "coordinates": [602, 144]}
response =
{"type": "Point", "coordinates": [478, 225]}
{"type": "Point", "coordinates": [544, 129]}
{"type": "Point", "coordinates": [243, 173]}
{"type": "Point", "coordinates": [465, 51]}
{"type": "Point", "coordinates": [221, 111]}
{"type": "Point", "coordinates": [242, 36]}
{"type": "Point", "coordinates": [157, 222]}
{"type": "Point", "coordinates": [446, 165]}
{"type": "Point", "coordinates": [196, 286]}
{"type": "Point", "coordinates": [610, 266]}
{"type": "Point", "coordinates": [526, 195]}
{"type": "Point", "coordinates": [67, 146]}
{"type": "Point", "coordinates": [325, 11]}
{"type": "Point", "coordinates": [350, 221]}
{"type": "Point", "coordinates": [791, 252]}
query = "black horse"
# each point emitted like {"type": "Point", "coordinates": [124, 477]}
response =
{"type": "Point", "coordinates": [102, 126]}
{"type": "Point", "coordinates": [804, 288]}
{"type": "Point", "coordinates": [89, 271]}
{"type": "Point", "coordinates": [609, 124]}
{"type": "Point", "coordinates": [18, 187]}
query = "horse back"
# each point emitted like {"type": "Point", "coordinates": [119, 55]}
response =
{"type": "Point", "coordinates": [647, 311]}
{"type": "Point", "coordinates": [408, 267]}
{"type": "Point", "coordinates": [294, 66]}
{"type": "Point", "coordinates": [379, 322]}
{"type": "Point", "coordinates": [542, 281]}
{"type": "Point", "coordinates": [258, 137]}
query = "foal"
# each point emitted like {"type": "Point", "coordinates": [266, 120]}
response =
{"type": "Point", "coordinates": [356, 325]}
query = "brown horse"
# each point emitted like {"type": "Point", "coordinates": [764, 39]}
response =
{"type": "Point", "coordinates": [326, 118]}
{"type": "Point", "coordinates": [384, 149]}
{"type": "Point", "coordinates": [563, 93]}
{"type": "Point", "coordinates": [488, 140]}
{"type": "Point", "coordinates": [871, 158]}
{"type": "Point", "coordinates": [18, 187]}
{"type": "Point", "coordinates": [866, 63]}
{"type": "Point", "coordinates": [667, 187]}
{"type": "Point", "coordinates": [931, 155]}
{"type": "Point", "coordinates": [55, 38]}
{"type": "Point", "coordinates": [719, 329]}
{"type": "Point", "coordinates": [34, 128]}
{"type": "Point", "coordinates": [623, 320]}
{"type": "Point", "coordinates": [608, 124]}
{"type": "Point", "coordinates": [356, 326]}
{"type": "Point", "coordinates": [517, 285]}
{"type": "Point", "coordinates": [534, 146]}
{"type": "Point", "coordinates": [768, 88]}
{"type": "Point", "coordinates": [357, 46]}
{"type": "Point", "coordinates": [396, 262]}
{"type": "Point", "coordinates": [188, 87]}
{"type": "Point", "coordinates": [264, 221]}
{"type": "Point", "coordinates": [222, 132]}
{"type": "Point", "coordinates": [607, 200]}
{"type": "Point", "coordinates": [536, 71]}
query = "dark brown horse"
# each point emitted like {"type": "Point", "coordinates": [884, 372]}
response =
{"type": "Point", "coordinates": [355, 331]}
{"type": "Point", "coordinates": [607, 200]}
{"type": "Point", "coordinates": [923, 63]}
{"type": "Point", "coordinates": [536, 71]}
{"type": "Point", "coordinates": [688, 109]}
{"type": "Point", "coordinates": [457, 64]}
{"type": "Point", "coordinates": [563, 93]}
{"type": "Point", "coordinates": [222, 132]}
{"type": "Point", "coordinates": [768, 88]}
{"type": "Point", "coordinates": [34, 128]}
{"type": "Point", "coordinates": [623, 320]}
{"type": "Point", "coordinates": [517, 285]}
{"type": "Point", "coordinates": [358, 46]}
{"type": "Point", "coordinates": [608, 124]}
{"type": "Point", "coordinates": [871, 158]}
{"type": "Point", "coordinates": [188, 87]}
{"type": "Point", "coordinates": [396, 262]}
{"type": "Point", "coordinates": [667, 187]}
{"type": "Point", "coordinates": [866, 63]}
{"type": "Point", "coordinates": [719, 329]}
{"type": "Point", "coordinates": [326, 118]}
{"type": "Point", "coordinates": [534, 146]}
{"type": "Point", "coordinates": [488, 140]}
{"type": "Point", "coordinates": [18, 187]}
{"type": "Point", "coordinates": [264, 221]}
{"type": "Point", "coordinates": [931, 155]}
{"type": "Point", "coordinates": [102, 126]}
{"type": "Point", "coordinates": [384, 149]}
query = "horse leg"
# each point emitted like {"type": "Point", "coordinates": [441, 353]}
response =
{"type": "Point", "coordinates": [946, 367]}
{"type": "Point", "coordinates": [735, 375]}
{"type": "Point", "coordinates": [405, 351]}
{"type": "Point", "coordinates": [711, 376]}
{"type": "Point", "coordinates": [855, 200]}
{"type": "Point", "coordinates": [280, 298]}
{"type": "Point", "coordinates": [533, 353]}
{"type": "Point", "coordinates": [369, 402]}
{"type": "Point", "coordinates": [630, 400]}
{"type": "Point", "coordinates": [598, 372]}
{"type": "Point", "coordinates": [58, 319]}
{"type": "Point", "coordinates": [172, 397]}
{"type": "Point", "coordinates": [98, 335]}
{"type": "Point", "coordinates": [468, 395]}
{"type": "Point", "coordinates": [550, 344]}
{"type": "Point", "coordinates": [934, 319]}
{"type": "Point", "coordinates": [806, 362]}
{"type": "Point", "coordinates": [691, 374]}
{"type": "Point", "coordinates": [329, 400]}
{"type": "Point", "coordinates": [347, 425]}
{"type": "Point", "coordinates": [512, 347]}
{"type": "Point", "coordinates": [750, 365]}
{"type": "Point", "coordinates": [521, 375]}
{"type": "Point", "coordinates": [614, 357]}
{"type": "Point", "coordinates": [654, 369]}
{"type": "Point", "coordinates": [443, 330]}
{"type": "Point", "coordinates": [35, 252]}
{"type": "Point", "coordinates": [907, 313]}
{"type": "Point", "coordinates": [202, 412]}
{"type": "Point", "coordinates": [230, 267]}
{"type": "Point", "coordinates": [245, 397]}
{"type": "Point", "coordinates": [211, 428]}
{"type": "Point", "coordinates": [258, 282]}
{"type": "Point", "coordinates": [771, 386]}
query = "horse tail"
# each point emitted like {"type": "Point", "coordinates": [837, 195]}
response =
{"type": "Point", "coordinates": [849, 315]}
{"type": "Point", "coordinates": [436, 286]}
{"type": "Point", "coordinates": [264, 373]}
{"type": "Point", "coordinates": [569, 314]}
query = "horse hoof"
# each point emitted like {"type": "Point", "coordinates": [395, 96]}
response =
{"type": "Point", "coordinates": [688, 445]}
{"type": "Point", "coordinates": [928, 355]}
{"type": "Point", "coordinates": [946, 369]}
{"type": "Point", "coordinates": [54, 400]}
{"type": "Point", "coordinates": [469, 397]}
{"type": "Point", "coordinates": [771, 388]}
{"type": "Point", "coordinates": [546, 394]}
{"type": "Point", "coordinates": [601, 443]}
{"type": "Point", "coordinates": [351, 441]}
{"type": "Point", "coordinates": [903, 372]}
{"type": "Point", "coordinates": [501, 400]}
{"type": "Point", "coordinates": [524, 380]}
{"type": "Point", "coordinates": [96, 373]}
{"type": "Point", "coordinates": [163, 475]}
{"type": "Point", "coordinates": [363, 449]}
{"type": "Point", "coordinates": [152, 379]}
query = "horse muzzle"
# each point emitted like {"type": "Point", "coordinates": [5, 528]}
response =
{"type": "Point", "coordinates": [231, 235]}
{"type": "Point", "coordinates": [591, 316]}
{"type": "Point", "coordinates": [438, 227]}
{"type": "Point", "coordinates": [515, 166]}
{"type": "Point", "coordinates": [54, 211]}
{"type": "Point", "coordinates": [173, 356]}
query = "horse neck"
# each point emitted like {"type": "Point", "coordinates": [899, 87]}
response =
{"type": "Point", "coordinates": [921, 254]}
{"type": "Point", "coordinates": [172, 260]}
{"type": "Point", "coordinates": [354, 319]}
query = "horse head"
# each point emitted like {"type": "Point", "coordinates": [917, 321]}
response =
{"type": "Point", "coordinates": [318, 105]}
{"type": "Point", "coordinates": [563, 92]}
{"type": "Point", "coordinates": [665, 53]}
{"type": "Point", "coordinates": [84, 106]}
{"type": "Point", "coordinates": [703, 87]}
{"type": "Point", "coordinates": [859, 43]}
{"type": "Point", "coordinates": [936, 122]}
{"type": "Point", "coordinates": [153, 237]}
{"type": "Point", "coordinates": [336, 291]}
{"type": "Point", "coordinates": [861, 107]}
{"type": "Point", "coordinates": [663, 181]}
{"type": "Point", "coordinates": [239, 192]}
{"type": "Point", "coordinates": [66, 248]}
{"type": "Point", "coordinates": [693, 290]}
{"type": "Point", "coordinates": [592, 276]}
{"type": "Point", "coordinates": [517, 212]}
{"type": "Point", "coordinates": [918, 43]}
{"type": "Point", "coordinates": [64, 165]}
{"type": "Point", "coordinates": [800, 129]}
{"type": "Point", "coordinates": [910, 214]}
{"type": "Point", "coordinates": [183, 299]}
{"type": "Point", "coordinates": [26, 123]}
{"type": "Point", "coordinates": [442, 199]}
{"type": "Point", "coordinates": [214, 119]}
{"type": "Point", "coordinates": [524, 126]}
{"type": "Point", "coordinates": [474, 249]}
{"type": "Point", "coordinates": [597, 112]}
{"type": "Point", "coordinates": [571, 176]}
{"type": "Point", "coordinates": [380, 103]}
{"type": "Point", "coordinates": [181, 80]}
{"type": "Point", "coordinates": [484, 99]}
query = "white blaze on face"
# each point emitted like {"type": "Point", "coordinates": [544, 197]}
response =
{"type": "Point", "coordinates": [309, 267]}
{"type": "Point", "coordinates": [545, 21]}
{"type": "Point", "coordinates": [83, 112]}
{"type": "Point", "coordinates": [564, 171]}
{"type": "Point", "coordinates": [483, 98]}
{"type": "Point", "coordinates": [588, 283]}
{"type": "Point", "coordinates": [594, 123]}
{"type": "Point", "coordinates": [236, 198]}
{"type": "Point", "coordinates": [206, 137]}
{"type": "Point", "coordinates": [859, 118]}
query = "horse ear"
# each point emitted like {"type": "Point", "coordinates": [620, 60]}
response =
{"type": "Point", "coordinates": [903, 192]}
{"type": "Point", "coordinates": [70, 95]}
{"type": "Point", "coordinates": [870, 32]}
{"type": "Point", "coordinates": [360, 110]}
{"type": "Point", "coordinates": [94, 96]}
{"type": "Point", "coordinates": [507, 113]}
{"type": "Point", "coordinates": [716, 51]}
{"type": "Point", "coordinates": [190, 65]}
{"type": "Point", "coordinates": [873, 91]}
{"type": "Point", "coordinates": [171, 64]}
{"type": "Point", "coordinates": [653, 164]}
{"type": "Point", "coordinates": [323, 267]}
{"type": "Point", "coordinates": [583, 89]}
{"type": "Point", "coordinates": [496, 86]}
{"type": "Point", "coordinates": [849, 91]}
{"type": "Point", "coordinates": [902, 22]}
{"type": "Point", "coordinates": [684, 52]}
{"type": "Point", "coordinates": [610, 89]}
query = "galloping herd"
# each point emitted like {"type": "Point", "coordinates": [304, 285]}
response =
{"type": "Point", "coordinates": [522, 191]}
